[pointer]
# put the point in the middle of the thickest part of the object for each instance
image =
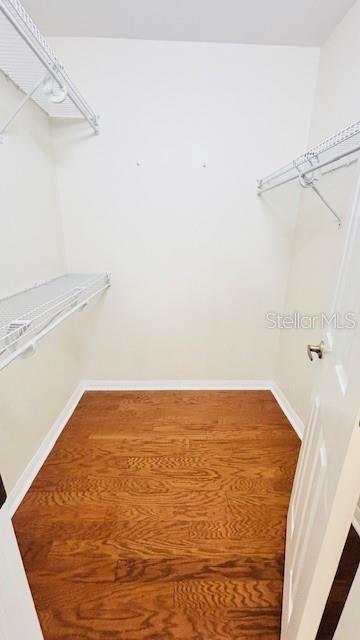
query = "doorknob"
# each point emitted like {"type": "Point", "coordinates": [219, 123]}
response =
{"type": "Point", "coordinates": [319, 349]}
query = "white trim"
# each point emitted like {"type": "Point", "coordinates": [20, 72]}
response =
{"type": "Point", "coordinates": [17, 494]}
{"type": "Point", "coordinates": [26, 479]}
{"type": "Point", "coordinates": [293, 417]}
{"type": "Point", "coordinates": [177, 385]}
{"type": "Point", "coordinates": [18, 617]}
{"type": "Point", "coordinates": [356, 520]}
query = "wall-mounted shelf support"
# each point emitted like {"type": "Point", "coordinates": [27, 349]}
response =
{"type": "Point", "coordinates": [308, 180]}
{"type": "Point", "coordinates": [325, 202]}
{"type": "Point", "coordinates": [28, 316]}
{"type": "Point", "coordinates": [21, 105]}
{"type": "Point", "coordinates": [25, 55]}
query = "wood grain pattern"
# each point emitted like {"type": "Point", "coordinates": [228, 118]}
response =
{"type": "Point", "coordinates": [161, 516]}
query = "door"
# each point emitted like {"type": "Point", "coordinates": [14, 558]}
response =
{"type": "Point", "coordinates": [18, 618]}
{"type": "Point", "coordinates": [327, 480]}
{"type": "Point", "coordinates": [349, 624]}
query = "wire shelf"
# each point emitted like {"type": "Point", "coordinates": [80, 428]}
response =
{"type": "Point", "coordinates": [29, 315]}
{"type": "Point", "coordinates": [26, 57]}
{"type": "Point", "coordinates": [331, 150]}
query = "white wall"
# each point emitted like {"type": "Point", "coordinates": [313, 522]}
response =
{"type": "Point", "coordinates": [190, 247]}
{"type": "Point", "coordinates": [197, 258]}
{"type": "Point", "coordinates": [32, 392]}
{"type": "Point", "coordinates": [318, 243]}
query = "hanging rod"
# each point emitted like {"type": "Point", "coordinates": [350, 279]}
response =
{"type": "Point", "coordinates": [307, 168]}
{"type": "Point", "coordinates": [24, 27]}
{"type": "Point", "coordinates": [347, 141]}
{"type": "Point", "coordinates": [344, 165]}
{"type": "Point", "coordinates": [28, 316]}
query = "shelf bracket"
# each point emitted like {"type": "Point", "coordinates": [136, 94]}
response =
{"type": "Point", "coordinates": [21, 105]}
{"type": "Point", "coordinates": [307, 180]}
{"type": "Point", "coordinates": [325, 202]}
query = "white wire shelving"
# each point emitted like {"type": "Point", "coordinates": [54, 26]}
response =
{"type": "Point", "coordinates": [28, 316]}
{"type": "Point", "coordinates": [28, 60]}
{"type": "Point", "coordinates": [327, 156]}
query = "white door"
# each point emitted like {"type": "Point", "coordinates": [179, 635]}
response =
{"type": "Point", "coordinates": [18, 618]}
{"type": "Point", "coordinates": [349, 624]}
{"type": "Point", "coordinates": [327, 480]}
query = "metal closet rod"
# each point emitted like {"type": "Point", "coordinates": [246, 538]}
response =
{"type": "Point", "coordinates": [59, 315]}
{"type": "Point", "coordinates": [321, 165]}
{"type": "Point", "coordinates": [48, 59]}
{"type": "Point", "coordinates": [52, 324]}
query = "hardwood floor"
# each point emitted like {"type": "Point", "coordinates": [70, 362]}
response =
{"type": "Point", "coordinates": [160, 516]}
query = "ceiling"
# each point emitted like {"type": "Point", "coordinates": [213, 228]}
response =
{"type": "Point", "coordinates": [283, 22]}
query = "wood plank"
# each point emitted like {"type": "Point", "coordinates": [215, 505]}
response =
{"type": "Point", "coordinates": [161, 515]}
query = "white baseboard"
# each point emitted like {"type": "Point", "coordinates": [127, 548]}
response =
{"type": "Point", "coordinates": [177, 385]}
{"type": "Point", "coordinates": [293, 417]}
{"type": "Point", "coordinates": [17, 494]}
{"type": "Point", "coordinates": [26, 479]}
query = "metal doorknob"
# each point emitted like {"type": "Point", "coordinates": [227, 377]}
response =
{"type": "Point", "coordinates": [319, 349]}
